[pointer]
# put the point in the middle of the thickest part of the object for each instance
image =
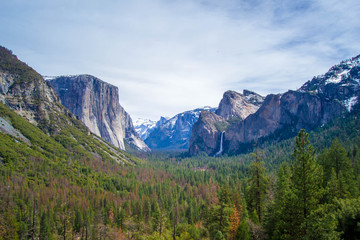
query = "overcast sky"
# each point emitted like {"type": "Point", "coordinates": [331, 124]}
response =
{"type": "Point", "coordinates": [169, 56]}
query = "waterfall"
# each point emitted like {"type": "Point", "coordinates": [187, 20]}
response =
{"type": "Point", "coordinates": [221, 144]}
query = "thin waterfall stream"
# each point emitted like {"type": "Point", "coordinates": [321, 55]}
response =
{"type": "Point", "coordinates": [221, 144]}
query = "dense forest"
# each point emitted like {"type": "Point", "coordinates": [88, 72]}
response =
{"type": "Point", "coordinates": [307, 187]}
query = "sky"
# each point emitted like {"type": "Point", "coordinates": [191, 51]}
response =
{"type": "Point", "coordinates": [169, 56]}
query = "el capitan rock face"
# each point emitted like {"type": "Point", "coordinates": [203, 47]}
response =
{"type": "Point", "coordinates": [318, 101]}
{"type": "Point", "coordinates": [97, 105]}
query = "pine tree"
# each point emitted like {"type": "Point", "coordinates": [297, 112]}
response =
{"type": "Point", "coordinates": [335, 161]}
{"type": "Point", "coordinates": [243, 231]}
{"type": "Point", "coordinates": [278, 221]}
{"type": "Point", "coordinates": [44, 227]}
{"type": "Point", "coordinates": [305, 183]}
{"type": "Point", "coordinates": [257, 186]}
{"type": "Point", "coordinates": [217, 219]}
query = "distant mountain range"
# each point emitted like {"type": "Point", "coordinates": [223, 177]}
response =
{"type": "Point", "coordinates": [169, 133]}
{"type": "Point", "coordinates": [144, 127]}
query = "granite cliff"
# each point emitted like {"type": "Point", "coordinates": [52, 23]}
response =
{"type": "Point", "coordinates": [96, 103]}
{"type": "Point", "coordinates": [280, 116]}
{"type": "Point", "coordinates": [234, 107]}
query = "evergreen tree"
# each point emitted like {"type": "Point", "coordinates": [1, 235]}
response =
{"type": "Point", "coordinates": [243, 231]}
{"type": "Point", "coordinates": [257, 186]}
{"type": "Point", "coordinates": [217, 219]}
{"type": "Point", "coordinates": [279, 216]}
{"type": "Point", "coordinates": [336, 161]}
{"type": "Point", "coordinates": [306, 181]}
{"type": "Point", "coordinates": [147, 211]}
{"type": "Point", "coordinates": [44, 227]}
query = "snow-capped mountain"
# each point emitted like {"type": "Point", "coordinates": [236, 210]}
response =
{"type": "Point", "coordinates": [280, 116]}
{"type": "Point", "coordinates": [341, 82]}
{"type": "Point", "coordinates": [144, 127]}
{"type": "Point", "coordinates": [174, 133]}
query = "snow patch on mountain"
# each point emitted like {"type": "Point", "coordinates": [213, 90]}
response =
{"type": "Point", "coordinates": [338, 77]}
{"type": "Point", "coordinates": [341, 82]}
{"type": "Point", "coordinates": [174, 133]}
{"type": "Point", "coordinates": [144, 127]}
{"type": "Point", "coordinates": [349, 103]}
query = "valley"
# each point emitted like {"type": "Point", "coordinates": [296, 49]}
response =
{"type": "Point", "coordinates": [282, 166]}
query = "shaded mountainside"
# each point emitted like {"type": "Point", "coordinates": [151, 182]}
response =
{"type": "Point", "coordinates": [318, 101]}
{"type": "Point", "coordinates": [289, 113]}
{"type": "Point", "coordinates": [233, 108]}
{"type": "Point", "coordinates": [174, 133]}
{"type": "Point", "coordinates": [96, 103]}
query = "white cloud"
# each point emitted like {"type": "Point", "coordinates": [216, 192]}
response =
{"type": "Point", "coordinates": [171, 56]}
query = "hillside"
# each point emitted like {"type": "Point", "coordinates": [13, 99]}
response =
{"type": "Point", "coordinates": [60, 181]}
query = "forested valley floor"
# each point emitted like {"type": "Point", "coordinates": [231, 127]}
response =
{"type": "Point", "coordinates": [306, 187]}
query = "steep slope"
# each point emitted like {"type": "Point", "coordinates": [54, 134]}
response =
{"type": "Point", "coordinates": [206, 134]}
{"type": "Point", "coordinates": [287, 114]}
{"type": "Point", "coordinates": [174, 133]}
{"type": "Point", "coordinates": [24, 91]}
{"type": "Point", "coordinates": [281, 116]}
{"type": "Point", "coordinates": [96, 103]}
{"type": "Point", "coordinates": [233, 108]}
{"type": "Point", "coordinates": [340, 83]}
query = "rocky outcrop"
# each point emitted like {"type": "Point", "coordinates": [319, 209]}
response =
{"type": "Point", "coordinates": [234, 107]}
{"type": "Point", "coordinates": [206, 134]}
{"type": "Point", "coordinates": [288, 113]}
{"type": "Point", "coordinates": [26, 92]}
{"type": "Point", "coordinates": [174, 133]}
{"type": "Point", "coordinates": [239, 106]}
{"type": "Point", "coordinates": [96, 103]}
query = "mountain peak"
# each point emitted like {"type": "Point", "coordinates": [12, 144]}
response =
{"type": "Point", "coordinates": [341, 82]}
{"type": "Point", "coordinates": [237, 105]}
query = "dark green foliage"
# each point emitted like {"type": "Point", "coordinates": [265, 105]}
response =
{"type": "Point", "coordinates": [257, 189]}
{"type": "Point", "coordinates": [10, 63]}
{"type": "Point", "coordinates": [243, 232]}
{"type": "Point", "coordinates": [338, 171]}
{"type": "Point", "coordinates": [306, 180]}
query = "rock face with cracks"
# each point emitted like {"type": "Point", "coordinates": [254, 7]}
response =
{"type": "Point", "coordinates": [96, 103]}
